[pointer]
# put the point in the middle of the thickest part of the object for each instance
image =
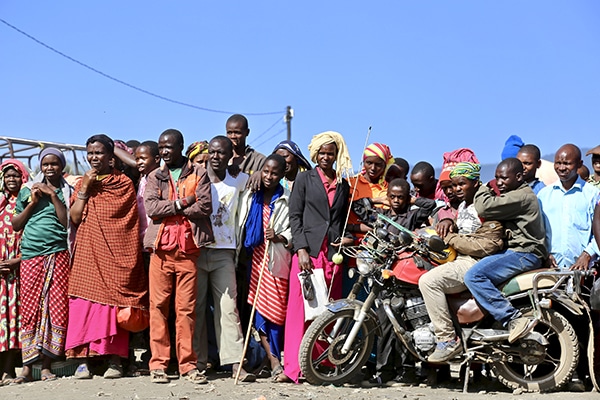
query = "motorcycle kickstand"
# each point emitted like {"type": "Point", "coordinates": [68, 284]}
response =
{"type": "Point", "coordinates": [467, 363]}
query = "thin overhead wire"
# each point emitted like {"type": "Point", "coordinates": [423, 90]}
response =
{"type": "Point", "coordinates": [181, 103]}
{"type": "Point", "coordinates": [278, 120]}
{"type": "Point", "coordinates": [271, 137]}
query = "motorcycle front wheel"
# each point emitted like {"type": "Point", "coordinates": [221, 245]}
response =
{"type": "Point", "coordinates": [537, 368]}
{"type": "Point", "coordinates": [321, 358]}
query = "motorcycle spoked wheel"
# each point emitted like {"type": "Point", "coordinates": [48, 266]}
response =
{"type": "Point", "coordinates": [543, 369]}
{"type": "Point", "coordinates": [321, 360]}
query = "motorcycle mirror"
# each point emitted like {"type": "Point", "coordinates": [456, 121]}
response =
{"type": "Point", "coordinates": [436, 244]}
{"type": "Point", "coordinates": [405, 238]}
{"type": "Point", "coordinates": [394, 239]}
{"type": "Point", "coordinates": [382, 233]}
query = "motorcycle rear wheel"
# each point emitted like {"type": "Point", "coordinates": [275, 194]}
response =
{"type": "Point", "coordinates": [321, 360]}
{"type": "Point", "coordinates": [557, 365]}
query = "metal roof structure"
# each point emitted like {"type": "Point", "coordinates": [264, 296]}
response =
{"type": "Point", "coordinates": [27, 150]}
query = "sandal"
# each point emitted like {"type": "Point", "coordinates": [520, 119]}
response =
{"type": "Point", "coordinates": [244, 375]}
{"type": "Point", "coordinates": [158, 376]}
{"type": "Point", "coordinates": [21, 379]}
{"type": "Point", "coordinates": [48, 377]}
{"type": "Point", "coordinates": [263, 371]}
{"type": "Point", "coordinates": [6, 380]}
{"type": "Point", "coordinates": [196, 377]}
{"type": "Point", "coordinates": [277, 371]}
{"type": "Point", "coordinates": [282, 378]}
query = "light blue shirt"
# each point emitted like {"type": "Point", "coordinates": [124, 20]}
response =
{"type": "Point", "coordinates": [568, 216]}
{"type": "Point", "coordinates": [536, 185]}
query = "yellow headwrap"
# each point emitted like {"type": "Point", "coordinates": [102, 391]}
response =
{"type": "Point", "coordinates": [343, 162]}
{"type": "Point", "coordinates": [197, 148]}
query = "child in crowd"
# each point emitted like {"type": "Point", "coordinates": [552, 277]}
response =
{"type": "Point", "coordinates": [399, 169]}
{"type": "Point", "coordinates": [530, 157]}
{"type": "Point", "coordinates": [264, 215]}
{"type": "Point", "coordinates": [394, 363]}
{"type": "Point", "coordinates": [147, 160]}
{"type": "Point", "coordinates": [12, 176]}
{"type": "Point", "coordinates": [45, 262]}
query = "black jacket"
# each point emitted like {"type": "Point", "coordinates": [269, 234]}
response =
{"type": "Point", "coordinates": [311, 218]}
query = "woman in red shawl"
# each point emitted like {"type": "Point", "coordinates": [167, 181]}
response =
{"type": "Point", "coordinates": [12, 176]}
{"type": "Point", "coordinates": [107, 270]}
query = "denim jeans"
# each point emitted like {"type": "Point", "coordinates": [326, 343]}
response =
{"type": "Point", "coordinates": [485, 275]}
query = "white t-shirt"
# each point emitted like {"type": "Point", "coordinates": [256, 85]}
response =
{"type": "Point", "coordinates": [467, 219]}
{"type": "Point", "coordinates": [225, 202]}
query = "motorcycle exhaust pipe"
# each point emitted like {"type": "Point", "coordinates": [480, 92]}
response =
{"type": "Point", "coordinates": [400, 331]}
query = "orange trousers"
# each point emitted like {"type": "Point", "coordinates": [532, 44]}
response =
{"type": "Point", "coordinates": [172, 271]}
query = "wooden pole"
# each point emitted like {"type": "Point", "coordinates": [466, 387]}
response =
{"type": "Point", "coordinates": [289, 114]}
{"type": "Point", "coordinates": [249, 331]}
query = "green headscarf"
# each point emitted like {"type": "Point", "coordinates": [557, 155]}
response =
{"type": "Point", "coordinates": [467, 169]}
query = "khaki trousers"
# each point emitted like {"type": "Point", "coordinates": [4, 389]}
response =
{"type": "Point", "coordinates": [216, 272]}
{"type": "Point", "coordinates": [435, 284]}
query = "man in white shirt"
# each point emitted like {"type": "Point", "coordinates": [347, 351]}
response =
{"type": "Point", "coordinates": [216, 263]}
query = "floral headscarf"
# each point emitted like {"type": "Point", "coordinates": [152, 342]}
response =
{"type": "Point", "coordinates": [16, 164]}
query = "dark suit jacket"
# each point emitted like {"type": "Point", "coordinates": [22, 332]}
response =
{"type": "Point", "coordinates": [311, 218]}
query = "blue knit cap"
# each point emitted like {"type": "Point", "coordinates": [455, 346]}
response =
{"type": "Point", "coordinates": [511, 147]}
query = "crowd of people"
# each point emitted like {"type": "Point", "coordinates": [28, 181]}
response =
{"type": "Point", "coordinates": [187, 251]}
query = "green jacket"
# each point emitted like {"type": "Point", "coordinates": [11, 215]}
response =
{"type": "Point", "coordinates": [520, 213]}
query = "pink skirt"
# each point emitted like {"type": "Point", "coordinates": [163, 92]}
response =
{"type": "Point", "coordinates": [295, 326]}
{"type": "Point", "coordinates": [93, 331]}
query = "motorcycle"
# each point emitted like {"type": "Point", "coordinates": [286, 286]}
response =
{"type": "Point", "coordinates": [389, 262]}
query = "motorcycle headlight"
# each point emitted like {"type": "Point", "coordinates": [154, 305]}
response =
{"type": "Point", "coordinates": [364, 262]}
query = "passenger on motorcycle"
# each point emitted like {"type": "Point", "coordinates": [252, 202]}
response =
{"type": "Point", "coordinates": [394, 362]}
{"type": "Point", "coordinates": [449, 278]}
{"type": "Point", "coordinates": [518, 209]}
{"type": "Point", "coordinates": [450, 208]}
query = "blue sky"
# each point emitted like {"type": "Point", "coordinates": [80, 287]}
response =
{"type": "Point", "coordinates": [427, 76]}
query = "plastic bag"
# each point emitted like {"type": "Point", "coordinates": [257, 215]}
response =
{"type": "Point", "coordinates": [315, 305]}
{"type": "Point", "coordinates": [281, 260]}
{"type": "Point", "coordinates": [133, 319]}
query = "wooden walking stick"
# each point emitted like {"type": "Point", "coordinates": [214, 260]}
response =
{"type": "Point", "coordinates": [249, 331]}
{"type": "Point", "coordinates": [338, 260]}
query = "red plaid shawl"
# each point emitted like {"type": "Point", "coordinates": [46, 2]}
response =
{"type": "Point", "coordinates": [107, 262]}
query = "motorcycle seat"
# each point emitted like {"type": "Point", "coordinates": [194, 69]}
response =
{"type": "Point", "coordinates": [524, 281]}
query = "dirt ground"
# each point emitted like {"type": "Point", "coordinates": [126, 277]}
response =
{"type": "Point", "coordinates": [222, 387]}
